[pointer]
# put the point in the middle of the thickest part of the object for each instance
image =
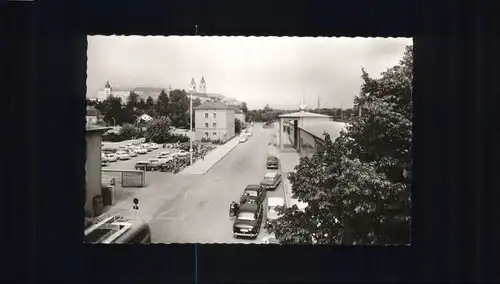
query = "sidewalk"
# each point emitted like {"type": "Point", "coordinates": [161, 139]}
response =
{"type": "Point", "coordinates": [202, 166]}
{"type": "Point", "coordinates": [289, 158]}
{"type": "Point", "coordinates": [151, 198]}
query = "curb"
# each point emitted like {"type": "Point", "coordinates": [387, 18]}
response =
{"type": "Point", "coordinates": [221, 158]}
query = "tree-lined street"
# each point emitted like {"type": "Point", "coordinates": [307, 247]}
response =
{"type": "Point", "coordinates": [201, 214]}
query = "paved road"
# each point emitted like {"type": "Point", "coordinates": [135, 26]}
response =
{"type": "Point", "coordinates": [201, 214]}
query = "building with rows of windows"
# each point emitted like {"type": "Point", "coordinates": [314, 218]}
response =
{"type": "Point", "coordinates": [214, 121]}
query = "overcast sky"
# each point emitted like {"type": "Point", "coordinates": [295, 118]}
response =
{"type": "Point", "coordinates": [257, 70]}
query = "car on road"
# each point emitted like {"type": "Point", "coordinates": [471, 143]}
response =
{"type": "Point", "coordinates": [253, 194]}
{"type": "Point", "coordinates": [123, 155]}
{"type": "Point", "coordinates": [142, 165]}
{"type": "Point", "coordinates": [243, 139]}
{"type": "Point", "coordinates": [248, 221]}
{"type": "Point", "coordinates": [271, 180]}
{"type": "Point", "coordinates": [141, 150]}
{"type": "Point", "coordinates": [112, 157]}
{"type": "Point", "coordinates": [272, 162]}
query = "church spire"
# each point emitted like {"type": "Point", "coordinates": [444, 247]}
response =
{"type": "Point", "coordinates": [203, 85]}
{"type": "Point", "coordinates": [193, 85]}
{"type": "Point", "coordinates": [107, 85]}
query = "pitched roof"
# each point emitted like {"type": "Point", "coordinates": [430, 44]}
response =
{"type": "Point", "coordinates": [332, 128]}
{"type": "Point", "coordinates": [213, 105]}
{"type": "Point", "coordinates": [303, 114]}
{"type": "Point", "coordinates": [237, 110]}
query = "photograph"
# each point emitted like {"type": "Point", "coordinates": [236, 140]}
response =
{"type": "Point", "coordinates": [248, 140]}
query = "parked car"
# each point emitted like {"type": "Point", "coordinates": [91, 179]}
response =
{"type": "Point", "coordinates": [109, 150]}
{"type": "Point", "coordinates": [272, 203]}
{"type": "Point", "coordinates": [253, 194]}
{"type": "Point", "coordinates": [243, 139]}
{"type": "Point", "coordinates": [104, 158]}
{"type": "Point", "coordinates": [272, 162]}
{"type": "Point", "coordinates": [155, 164]}
{"type": "Point", "coordinates": [248, 220]}
{"type": "Point", "coordinates": [164, 154]}
{"type": "Point", "coordinates": [112, 157]}
{"type": "Point", "coordinates": [141, 150]}
{"type": "Point", "coordinates": [123, 155]}
{"type": "Point", "coordinates": [142, 165]}
{"type": "Point", "coordinates": [271, 180]}
{"type": "Point", "coordinates": [154, 146]}
{"type": "Point", "coordinates": [132, 152]}
{"type": "Point", "coordinates": [182, 153]}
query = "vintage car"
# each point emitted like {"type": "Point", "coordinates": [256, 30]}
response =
{"type": "Point", "coordinates": [142, 165]}
{"type": "Point", "coordinates": [253, 193]}
{"type": "Point", "coordinates": [248, 220]}
{"type": "Point", "coordinates": [271, 180]}
{"type": "Point", "coordinates": [272, 162]}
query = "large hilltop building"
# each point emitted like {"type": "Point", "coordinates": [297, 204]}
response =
{"type": "Point", "coordinates": [124, 92]}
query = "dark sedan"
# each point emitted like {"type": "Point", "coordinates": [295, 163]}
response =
{"type": "Point", "coordinates": [248, 221]}
{"type": "Point", "coordinates": [272, 163]}
{"type": "Point", "coordinates": [253, 193]}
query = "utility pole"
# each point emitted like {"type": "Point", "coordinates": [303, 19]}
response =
{"type": "Point", "coordinates": [191, 90]}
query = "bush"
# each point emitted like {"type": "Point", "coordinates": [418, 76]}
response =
{"type": "Point", "coordinates": [177, 138]}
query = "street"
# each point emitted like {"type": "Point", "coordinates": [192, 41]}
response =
{"type": "Point", "coordinates": [201, 213]}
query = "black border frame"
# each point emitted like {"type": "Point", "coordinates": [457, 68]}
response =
{"type": "Point", "coordinates": [454, 95]}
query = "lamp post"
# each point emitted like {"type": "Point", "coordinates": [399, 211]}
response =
{"type": "Point", "coordinates": [191, 90]}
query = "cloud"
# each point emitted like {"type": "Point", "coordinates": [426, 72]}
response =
{"type": "Point", "coordinates": [257, 70]}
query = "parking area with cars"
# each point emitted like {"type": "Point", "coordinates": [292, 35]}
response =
{"type": "Point", "coordinates": [156, 161]}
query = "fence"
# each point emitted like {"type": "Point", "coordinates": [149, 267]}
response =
{"type": "Point", "coordinates": [130, 178]}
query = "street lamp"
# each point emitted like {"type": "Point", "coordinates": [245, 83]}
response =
{"type": "Point", "coordinates": [191, 90]}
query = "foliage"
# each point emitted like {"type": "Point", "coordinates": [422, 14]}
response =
{"type": "Point", "coordinates": [159, 130]}
{"type": "Point", "coordinates": [162, 104]}
{"type": "Point", "coordinates": [237, 126]}
{"type": "Point", "coordinates": [129, 131]}
{"type": "Point", "coordinates": [244, 108]}
{"type": "Point", "coordinates": [356, 187]}
{"type": "Point", "coordinates": [179, 109]}
{"type": "Point", "coordinates": [177, 138]}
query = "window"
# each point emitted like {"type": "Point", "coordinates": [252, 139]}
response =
{"type": "Point", "coordinates": [206, 134]}
{"type": "Point", "coordinates": [214, 115]}
{"type": "Point", "coordinates": [214, 133]}
{"type": "Point", "coordinates": [215, 125]}
{"type": "Point", "coordinates": [206, 115]}
{"type": "Point", "coordinates": [206, 124]}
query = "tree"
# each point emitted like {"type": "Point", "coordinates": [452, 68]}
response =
{"type": "Point", "coordinates": [244, 107]}
{"type": "Point", "coordinates": [179, 108]}
{"type": "Point", "coordinates": [159, 130]}
{"type": "Point", "coordinates": [162, 104]}
{"type": "Point", "coordinates": [128, 131]}
{"type": "Point", "coordinates": [112, 110]}
{"type": "Point", "coordinates": [133, 99]}
{"type": "Point", "coordinates": [358, 187]}
{"type": "Point", "coordinates": [237, 126]}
